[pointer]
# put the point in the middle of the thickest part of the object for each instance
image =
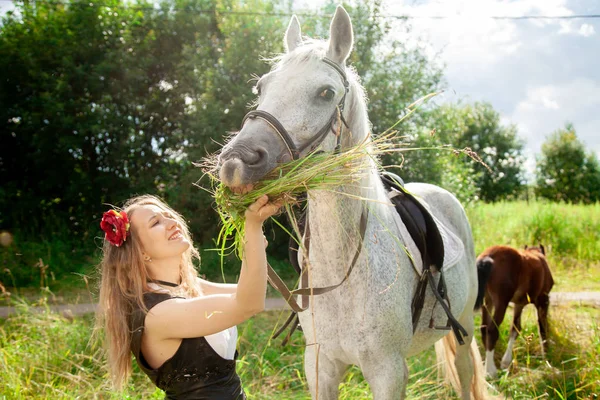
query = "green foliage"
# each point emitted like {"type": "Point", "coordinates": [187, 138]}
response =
{"type": "Point", "coordinates": [565, 171]}
{"type": "Point", "coordinates": [119, 98]}
{"type": "Point", "coordinates": [476, 126]}
{"type": "Point", "coordinates": [113, 99]}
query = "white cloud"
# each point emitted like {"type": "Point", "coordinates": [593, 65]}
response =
{"type": "Point", "coordinates": [570, 28]}
{"type": "Point", "coordinates": [469, 36]}
{"type": "Point", "coordinates": [539, 98]}
{"type": "Point", "coordinates": [586, 30]}
{"type": "Point", "coordinates": [547, 108]}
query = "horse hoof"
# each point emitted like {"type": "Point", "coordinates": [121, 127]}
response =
{"type": "Point", "coordinates": [491, 371]}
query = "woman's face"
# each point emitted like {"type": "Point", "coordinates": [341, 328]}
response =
{"type": "Point", "coordinates": [158, 232]}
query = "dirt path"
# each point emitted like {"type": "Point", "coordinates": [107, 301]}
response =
{"type": "Point", "coordinates": [70, 310]}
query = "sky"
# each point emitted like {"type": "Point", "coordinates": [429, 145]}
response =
{"type": "Point", "coordinates": [538, 74]}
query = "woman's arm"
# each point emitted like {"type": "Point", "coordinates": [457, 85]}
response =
{"type": "Point", "coordinates": [201, 316]}
{"type": "Point", "coordinates": [210, 288]}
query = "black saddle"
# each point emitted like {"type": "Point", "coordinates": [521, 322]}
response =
{"type": "Point", "coordinates": [418, 221]}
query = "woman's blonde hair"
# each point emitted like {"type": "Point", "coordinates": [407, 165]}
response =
{"type": "Point", "coordinates": [124, 280]}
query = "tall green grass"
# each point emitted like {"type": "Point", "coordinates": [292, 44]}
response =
{"type": "Point", "coordinates": [49, 356]}
{"type": "Point", "coordinates": [570, 233]}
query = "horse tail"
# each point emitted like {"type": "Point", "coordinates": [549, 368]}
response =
{"type": "Point", "coordinates": [484, 269]}
{"type": "Point", "coordinates": [445, 350]}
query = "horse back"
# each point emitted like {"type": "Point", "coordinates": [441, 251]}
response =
{"type": "Point", "coordinates": [541, 276]}
{"type": "Point", "coordinates": [516, 275]}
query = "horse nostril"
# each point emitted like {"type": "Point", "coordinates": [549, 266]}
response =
{"type": "Point", "coordinates": [256, 157]}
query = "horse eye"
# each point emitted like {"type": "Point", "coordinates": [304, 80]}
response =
{"type": "Point", "coordinates": [327, 94]}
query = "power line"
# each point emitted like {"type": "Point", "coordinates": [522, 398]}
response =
{"type": "Point", "coordinates": [287, 14]}
{"type": "Point", "coordinates": [577, 16]}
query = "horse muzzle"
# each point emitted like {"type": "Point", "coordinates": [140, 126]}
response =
{"type": "Point", "coordinates": [242, 166]}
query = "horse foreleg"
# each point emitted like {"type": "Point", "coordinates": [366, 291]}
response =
{"type": "Point", "coordinates": [322, 374]}
{"type": "Point", "coordinates": [542, 303]}
{"type": "Point", "coordinates": [387, 376]}
{"type": "Point", "coordinates": [514, 333]}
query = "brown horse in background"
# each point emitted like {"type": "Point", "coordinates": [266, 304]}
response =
{"type": "Point", "coordinates": [520, 276]}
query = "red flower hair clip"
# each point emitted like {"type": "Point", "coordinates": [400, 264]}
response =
{"type": "Point", "coordinates": [115, 224]}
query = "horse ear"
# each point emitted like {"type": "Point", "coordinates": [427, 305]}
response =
{"type": "Point", "coordinates": [525, 248]}
{"type": "Point", "coordinates": [341, 37]}
{"type": "Point", "coordinates": [543, 250]}
{"type": "Point", "coordinates": [293, 35]}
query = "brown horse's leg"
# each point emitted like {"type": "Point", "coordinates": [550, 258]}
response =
{"type": "Point", "coordinates": [542, 303]}
{"type": "Point", "coordinates": [492, 336]}
{"type": "Point", "coordinates": [486, 310]}
{"type": "Point", "coordinates": [514, 333]}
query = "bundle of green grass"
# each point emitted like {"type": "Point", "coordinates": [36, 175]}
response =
{"type": "Point", "coordinates": [316, 171]}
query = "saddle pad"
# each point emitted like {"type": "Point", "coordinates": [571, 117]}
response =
{"type": "Point", "coordinates": [453, 246]}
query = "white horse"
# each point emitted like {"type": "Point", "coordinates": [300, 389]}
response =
{"type": "Point", "coordinates": [367, 321]}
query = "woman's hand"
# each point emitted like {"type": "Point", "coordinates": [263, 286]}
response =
{"type": "Point", "coordinates": [259, 211]}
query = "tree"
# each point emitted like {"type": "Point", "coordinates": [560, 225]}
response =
{"type": "Point", "coordinates": [565, 171]}
{"type": "Point", "coordinates": [102, 101]}
{"type": "Point", "coordinates": [114, 99]}
{"type": "Point", "coordinates": [477, 126]}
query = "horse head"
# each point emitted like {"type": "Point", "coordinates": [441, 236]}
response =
{"type": "Point", "coordinates": [539, 248]}
{"type": "Point", "coordinates": [298, 107]}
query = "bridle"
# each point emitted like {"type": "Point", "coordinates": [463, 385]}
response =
{"type": "Point", "coordinates": [314, 142]}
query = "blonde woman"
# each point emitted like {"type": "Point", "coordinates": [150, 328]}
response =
{"type": "Point", "coordinates": [180, 328]}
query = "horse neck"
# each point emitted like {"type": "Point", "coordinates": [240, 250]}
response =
{"type": "Point", "coordinates": [334, 217]}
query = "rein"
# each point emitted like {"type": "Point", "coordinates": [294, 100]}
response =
{"type": "Point", "coordinates": [304, 291]}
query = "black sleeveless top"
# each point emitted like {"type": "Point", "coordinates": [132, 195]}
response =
{"type": "Point", "coordinates": [195, 372]}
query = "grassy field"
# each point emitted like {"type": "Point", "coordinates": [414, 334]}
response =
{"type": "Point", "coordinates": [570, 233]}
{"type": "Point", "coordinates": [49, 356]}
